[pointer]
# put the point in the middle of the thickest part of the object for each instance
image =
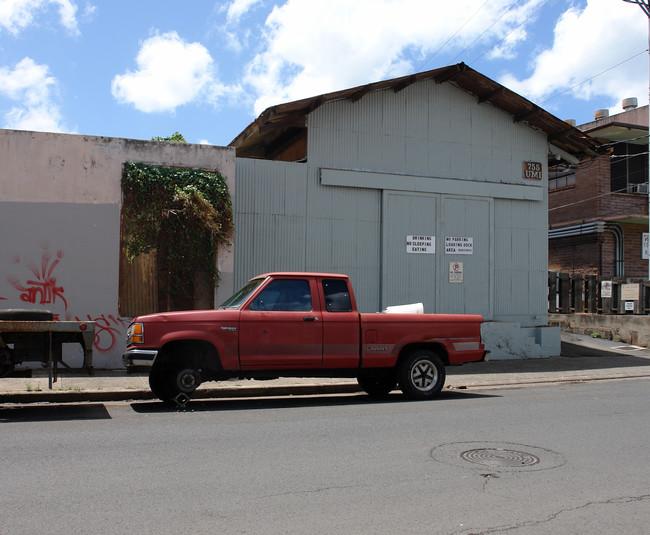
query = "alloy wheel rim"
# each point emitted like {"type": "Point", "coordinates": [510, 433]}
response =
{"type": "Point", "coordinates": [424, 375]}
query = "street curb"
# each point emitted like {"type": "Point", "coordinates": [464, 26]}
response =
{"type": "Point", "coordinates": [145, 395]}
{"type": "Point", "coordinates": [267, 391]}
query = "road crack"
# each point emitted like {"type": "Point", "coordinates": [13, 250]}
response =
{"type": "Point", "coordinates": [550, 518]}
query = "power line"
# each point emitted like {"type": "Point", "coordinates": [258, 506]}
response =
{"type": "Point", "coordinates": [622, 141]}
{"type": "Point", "coordinates": [622, 190]}
{"type": "Point", "coordinates": [454, 35]}
{"type": "Point", "coordinates": [486, 30]}
{"type": "Point", "coordinates": [594, 76]}
{"type": "Point", "coordinates": [512, 31]}
{"type": "Point", "coordinates": [600, 166]}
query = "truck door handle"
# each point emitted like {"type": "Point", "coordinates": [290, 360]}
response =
{"type": "Point", "coordinates": [309, 318]}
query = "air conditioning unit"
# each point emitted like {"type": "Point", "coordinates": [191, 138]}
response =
{"type": "Point", "coordinates": [638, 188]}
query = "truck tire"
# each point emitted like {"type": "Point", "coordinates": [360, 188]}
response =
{"type": "Point", "coordinates": [421, 375]}
{"type": "Point", "coordinates": [160, 383]}
{"type": "Point", "coordinates": [6, 362]}
{"type": "Point", "coordinates": [17, 314]}
{"type": "Point", "coordinates": [377, 387]}
{"type": "Point", "coordinates": [178, 371]}
{"type": "Point", "coordinates": [174, 384]}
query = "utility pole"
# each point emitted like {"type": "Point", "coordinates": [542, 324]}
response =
{"type": "Point", "coordinates": [645, 5]}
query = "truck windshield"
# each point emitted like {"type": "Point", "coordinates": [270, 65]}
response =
{"type": "Point", "coordinates": [240, 296]}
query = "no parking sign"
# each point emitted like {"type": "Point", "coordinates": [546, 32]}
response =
{"type": "Point", "coordinates": [455, 272]}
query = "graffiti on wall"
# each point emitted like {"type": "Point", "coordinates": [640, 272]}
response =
{"type": "Point", "coordinates": [38, 286]}
{"type": "Point", "coordinates": [107, 330]}
{"type": "Point", "coordinates": [41, 288]}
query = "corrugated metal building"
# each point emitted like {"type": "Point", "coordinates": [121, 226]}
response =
{"type": "Point", "coordinates": [428, 188]}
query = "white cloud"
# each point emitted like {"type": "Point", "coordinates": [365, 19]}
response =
{"type": "Point", "coordinates": [16, 15]}
{"type": "Point", "coordinates": [237, 8]}
{"type": "Point", "coordinates": [311, 49]}
{"type": "Point", "coordinates": [171, 72]}
{"type": "Point", "coordinates": [587, 42]}
{"type": "Point", "coordinates": [34, 88]}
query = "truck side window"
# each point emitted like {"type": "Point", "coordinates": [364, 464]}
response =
{"type": "Point", "coordinates": [284, 295]}
{"type": "Point", "coordinates": [337, 296]}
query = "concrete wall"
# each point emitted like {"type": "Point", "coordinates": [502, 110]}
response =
{"type": "Point", "coordinates": [629, 329]}
{"type": "Point", "coordinates": [60, 203]}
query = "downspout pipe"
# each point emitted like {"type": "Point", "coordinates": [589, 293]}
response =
{"type": "Point", "coordinates": [597, 227]}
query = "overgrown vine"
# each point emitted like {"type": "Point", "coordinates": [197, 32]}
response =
{"type": "Point", "coordinates": [182, 214]}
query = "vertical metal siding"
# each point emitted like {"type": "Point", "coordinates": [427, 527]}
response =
{"type": "Point", "coordinates": [408, 278]}
{"type": "Point", "coordinates": [466, 217]}
{"type": "Point", "coordinates": [286, 219]}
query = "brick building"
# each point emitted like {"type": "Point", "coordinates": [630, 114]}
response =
{"type": "Point", "coordinates": [598, 209]}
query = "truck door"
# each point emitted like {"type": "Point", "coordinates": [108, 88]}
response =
{"type": "Point", "coordinates": [282, 327]}
{"type": "Point", "coordinates": [341, 331]}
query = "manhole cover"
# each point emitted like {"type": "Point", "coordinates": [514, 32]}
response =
{"type": "Point", "coordinates": [500, 458]}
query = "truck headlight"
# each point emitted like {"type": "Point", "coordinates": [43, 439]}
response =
{"type": "Point", "coordinates": [135, 333]}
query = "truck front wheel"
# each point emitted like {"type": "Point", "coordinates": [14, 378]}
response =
{"type": "Point", "coordinates": [421, 375]}
{"type": "Point", "coordinates": [174, 384]}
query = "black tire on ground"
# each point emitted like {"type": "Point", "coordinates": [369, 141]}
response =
{"type": "Point", "coordinates": [421, 375]}
{"type": "Point", "coordinates": [174, 376]}
{"type": "Point", "coordinates": [161, 383]}
{"type": "Point", "coordinates": [16, 314]}
{"type": "Point", "coordinates": [6, 362]}
{"type": "Point", "coordinates": [378, 387]}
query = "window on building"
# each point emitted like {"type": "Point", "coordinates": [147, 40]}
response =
{"type": "Point", "coordinates": [564, 178]}
{"type": "Point", "coordinates": [629, 168]}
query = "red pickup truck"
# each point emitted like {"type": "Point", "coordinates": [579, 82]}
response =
{"type": "Point", "coordinates": [300, 325]}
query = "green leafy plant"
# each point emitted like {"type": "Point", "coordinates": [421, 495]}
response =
{"type": "Point", "coordinates": [31, 388]}
{"type": "Point", "coordinates": [174, 138]}
{"type": "Point", "coordinates": [182, 215]}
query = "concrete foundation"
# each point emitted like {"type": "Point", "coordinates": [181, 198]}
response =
{"type": "Point", "coordinates": [512, 341]}
{"type": "Point", "coordinates": [629, 329]}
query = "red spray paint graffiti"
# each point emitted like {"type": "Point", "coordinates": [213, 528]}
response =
{"type": "Point", "coordinates": [107, 330]}
{"type": "Point", "coordinates": [42, 289]}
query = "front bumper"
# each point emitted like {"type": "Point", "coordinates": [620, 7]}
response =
{"type": "Point", "coordinates": [138, 358]}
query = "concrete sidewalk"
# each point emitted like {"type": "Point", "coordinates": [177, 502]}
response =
{"type": "Point", "coordinates": [583, 359]}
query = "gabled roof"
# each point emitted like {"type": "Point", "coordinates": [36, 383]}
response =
{"type": "Point", "coordinates": [279, 126]}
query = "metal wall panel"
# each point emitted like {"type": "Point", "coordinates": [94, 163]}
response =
{"type": "Point", "coordinates": [374, 175]}
{"type": "Point", "coordinates": [408, 277]}
{"type": "Point", "coordinates": [466, 218]}
{"type": "Point", "coordinates": [270, 212]}
{"type": "Point", "coordinates": [286, 221]}
{"type": "Point", "coordinates": [344, 236]}
{"type": "Point", "coordinates": [520, 261]}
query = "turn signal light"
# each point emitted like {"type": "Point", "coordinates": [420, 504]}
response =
{"type": "Point", "coordinates": [136, 336]}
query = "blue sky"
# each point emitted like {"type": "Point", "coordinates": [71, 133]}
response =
{"type": "Point", "coordinates": [144, 68]}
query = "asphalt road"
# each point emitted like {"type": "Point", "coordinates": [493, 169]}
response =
{"type": "Point", "coordinates": [545, 459]}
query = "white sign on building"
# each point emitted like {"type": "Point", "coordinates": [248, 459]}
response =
{"type": "Point", "coordinates": [645, 246]}
{"type": "Point", "coordinates": [420, 244]}
{"type": "Point", "coordinates": [606, 289]}
{"type": "Point", "coordinates": [459, 245]}
{"type": "Point", "coordinates": [456, 272]}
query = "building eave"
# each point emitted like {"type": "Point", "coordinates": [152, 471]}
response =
{"type": "Point", "coordinates": [281, 122]}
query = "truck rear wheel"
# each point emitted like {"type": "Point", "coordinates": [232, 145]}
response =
{"type": "Point", "coordinates": [421, 375]}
